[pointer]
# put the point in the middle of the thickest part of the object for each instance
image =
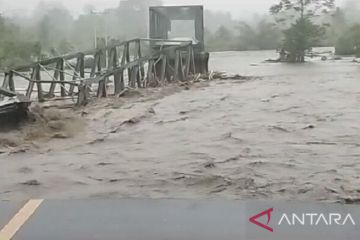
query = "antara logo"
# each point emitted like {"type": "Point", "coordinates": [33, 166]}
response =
{"type": "Point", "coordinates": [308, 219]}
{"type": "Point", "coordinates": [267, 213]}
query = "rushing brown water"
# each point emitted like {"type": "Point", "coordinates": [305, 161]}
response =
{"type": "Point", "coordinates": [291, 134]}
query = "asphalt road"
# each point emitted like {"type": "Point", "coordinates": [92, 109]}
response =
{"type": "Point", "coordinates": [141, 219]}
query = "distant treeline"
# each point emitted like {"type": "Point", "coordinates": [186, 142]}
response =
{"type": "Point", "coordinates": [53, 30]}
{"type": "Point", "coordinates": [260, 34]}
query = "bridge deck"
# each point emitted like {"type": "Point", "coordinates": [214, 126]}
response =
{"type": "Point", "coordinates": [81, 75]}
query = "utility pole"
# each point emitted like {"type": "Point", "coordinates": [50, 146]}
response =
{"type": "Point", "coordinates": [93, 13]}
{"type": "Point", "coordinates": [95, 36]}
{"type": "Point", "coordinates": [106, 34]}
{"type": "Point", "coordinates": [106, 44]}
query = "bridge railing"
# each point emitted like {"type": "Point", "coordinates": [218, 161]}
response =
{"type": "Point", "coordinates": [103, 72]}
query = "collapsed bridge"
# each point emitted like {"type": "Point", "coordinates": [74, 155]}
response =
{"type": "Point", "coordinates": [137, 63]}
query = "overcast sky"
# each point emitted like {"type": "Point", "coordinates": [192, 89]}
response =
{"type": "Point", "coordinates": [238, 8]}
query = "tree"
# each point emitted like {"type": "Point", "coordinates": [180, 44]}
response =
{"type": "Point", "coordinates": [13, 49]}
{"type": "Point", "coordinates": [300, 9]}
{"type": "Point", "coordinates": [132, 17]}
{"type": "Point", "coordinates": [300, 37]}
{"type": "Point", "coordinates": [259, 35]}
{"type": "Point", "coordinates": [355, 30]}
{"type": "Point", "coordinates": [303, 33]}
{"type": "Point", "coordinates": [53, 25]}
{"type": "Point", "coordinates": [338, 24]}
{"type": "Point", "coordinates": [65, 47]}
{"type": "Point", "coordinates": [88, 9]}
{"type": "Point", "coordinates": [216, 19]}
{"type": "Point", "coordinates": [44, 29]}
{"type": "Point", "coordinates": [221, 40]}
{"type": "Point", "coordinates": [349, 42]}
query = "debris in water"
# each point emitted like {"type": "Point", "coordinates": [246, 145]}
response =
{"type": "Point", "coordinates": [304, 190]}
{"type": "Point", "coordinates": [173, 121]}
{"type": "Point", "coordinates": [288, 109]}
{"type": "Point", "coordinates": [331, 190]}
{"type": "Point", "coordinates": [60, 136]}
{"type": "Point", "coordinates": [310, 126]}
{"type": "Point", "coordinates": [129, 92]}
{"type": "Point", "coordinates": [232, 159]}
{"type": "Point", "coordinates": [351, 200]}
{"type": "Point", "coordinates": [19, 150]}
{"type": "Point", "coordinates": [13, 107]}
{"type": "Point", "coordinates": [98, 140]}
{"type": "Point", "coordinates": [209, 165]}
{"type": "Point", "coordinates": [321, 143]}
{"type": "Point", "coordinates": [31, 183]}
{"type": "Point", "coordinates": [103, 164]}
{"type": "Point", "coordinates": [224, 98]}
{"type": "Point", "coordinates": [152, 110]}
{"type": "Point", "coordinates": [281, 129]}
{"type": "Point", "coordinates": [245, 183]}
{"type": "Point", "coordinates": [131, 121]}
{"type": "Point", "coordinates": [114, 180]}
{"type": "Point", "coordinates": [183, 112]}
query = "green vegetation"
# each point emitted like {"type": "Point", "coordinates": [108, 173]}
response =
{"type": "Point", "coordinates": [52, 30]}
{"type": "Point", "coordinates": [349, 42]}
{"type": "Point", "coordinates": [293, 25]}
{"type": "Point", "coordinates": [260, 36]}
{"type": "Point", "coordinates": [301, 37]}
{"type": "Point", "coordinates": [14, 50]}
{"type": "Point", "coordinates": [304, 34]}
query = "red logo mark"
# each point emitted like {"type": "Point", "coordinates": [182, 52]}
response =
{"type": "Point", "coordinates": [254, 220]}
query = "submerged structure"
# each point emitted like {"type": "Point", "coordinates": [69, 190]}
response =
{"type": "Point", "coordinates": [180, 23]}
{"type": "Point", "coordinates": [13, 107]}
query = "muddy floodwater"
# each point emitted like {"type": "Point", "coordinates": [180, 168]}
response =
{"type": "Point", "coordinates": [292, 133]}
